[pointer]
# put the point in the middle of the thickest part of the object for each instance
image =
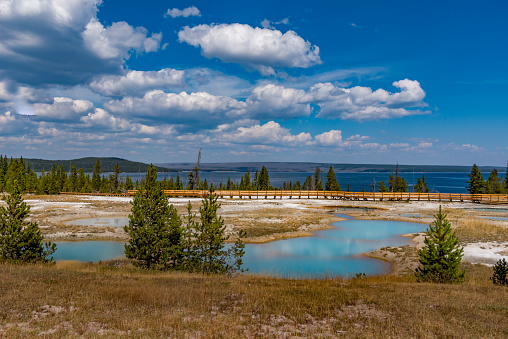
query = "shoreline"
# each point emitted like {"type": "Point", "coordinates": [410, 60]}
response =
{"type": "Point", "coordinates": [270, 220]}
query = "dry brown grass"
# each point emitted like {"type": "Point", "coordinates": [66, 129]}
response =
{"type": "Point", "coordinates": [480, 230]}
{"type": "Point", "coordinates": [266, 223]}
{"type": "Point", "coordinates": [73, 299]}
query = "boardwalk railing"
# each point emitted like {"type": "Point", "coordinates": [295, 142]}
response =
{"type": "Point", "coordinates": [377, 196]}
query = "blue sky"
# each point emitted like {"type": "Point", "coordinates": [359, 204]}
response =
{"type": "Point", "coordinates": [323, 81]}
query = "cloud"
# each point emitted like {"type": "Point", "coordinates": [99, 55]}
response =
{"type": "Point", "coordinates": [11, 124]}
{"type": "Point", "coordinates": [257, 48]}
{"type": "Point", "coordinates": [117, 40]}
{"type": "Point", "coordinates": [274, 102]}
{"type": "Point", "coordinates": [199, 109]}
{"type": "Point", "coordinates": [269, 133]}
{"type": "Point", "coordinates": [470, 147]}
{"type": "Point", "coordinates": [361, 103]}
{"type": "Point", "coordinates": [186, 12]}
{"type": "Point", "coordinates": [63, 110]}
{"type": "Point", "coordinates": [374, 146]}
{"type": "Point", "coordinates": [18, 98]}
{"type": "Point", "coordinates": [399, 145]}
{"type": "Point", "coordinates": [61, 42]}
{"type": "Point", "coordinates": [268, 24]}
{"type": "Point", "coordinates": [102, 119]}
{"type": "Point", "coordinates": [273, 134]}
{"type": "Point", "coordinates": [265, 102]}
{"type": "Point", "coordinates": [216, 83]}
{"type": "Point", "coordinates": [138, 82]}
{"type": "Point", "coordinates": [331, 138]}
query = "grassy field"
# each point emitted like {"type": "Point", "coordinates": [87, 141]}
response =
{"type": "Point", "coordinates": [73, 299]}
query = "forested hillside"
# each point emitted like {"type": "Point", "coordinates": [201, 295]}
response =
{"type": "Point", "coordinates": [87, 164]}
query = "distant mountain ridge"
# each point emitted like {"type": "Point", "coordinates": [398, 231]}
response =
{"type": "Point", "coordinates": [310, 167]}
{"type": "Point", "coordinates": [107, 164]}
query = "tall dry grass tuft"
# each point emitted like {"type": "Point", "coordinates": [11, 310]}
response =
{"type": "Point", "coordinates": [478, 230]}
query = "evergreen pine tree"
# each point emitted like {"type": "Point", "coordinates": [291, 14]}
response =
{"type": "Point", "coordinates": [381, 187]}
{"type": "Point", "coordinates": [255, 182]}
{"type": "Point", "coordinates": [506, 178]}
{"type": "Point", "coordinates": [80, 183]}
{"type": "Point", "coordinates": [128, 183]}
{"type": "Point", "coordinates": [154, 228]}
{"type": "Point", "coordinates": [264, 179]}
{"type": "Point", "coordinates": [31, 180]}
{"type": "Point", "coordinates": [392, 186]}
{"type": "Point", "coordinates": [425, 188]}
{"type": "Point", "coordinates": [421, 186]}
{"type": "Point", "coordinates": [500, 274]}
{"type": "Point", "coordinates": [115, 181]}
{"type": "Point", "coordinates": [96, 176]}
{"type": "Point", "coordinates": [171, 184]}
{"type": "Point", "coordinates": [2, 174]}
{"type": "Point", "coordinates": [21, 241]}
{"type": "Point", "coordinates": [318, 185]}
{"type": "Point", "coordinates": [331, 181]}
{"type": "Point", "coordinates": [208, 247]}
{"type": "Point", "coordinates": [476, 183]}
{"type": "Point", "coordinates": [190, 181]}
{"type": "Point", "coordinates": [418, 187]}
{"type": "Point", "coordinates": [307, 184]}
{"type": "Point", "coordinates": [53, 182]}
{"type": "Point", "coordinates": [179, 184]}
{"type": "Point", "coordinates": [72, 182]}
{"type": "Point", "coordinates": [494, 183]}
{"type": "Point", "coordinates": [440, 257]}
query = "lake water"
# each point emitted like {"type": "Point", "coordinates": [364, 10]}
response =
{"type": "Point", "coordinates": [89, 250]}
{"type": "Point", "coordinates": [336, 251]}
{"type": "Point", "coordinates": [496, 218]}
{"type": "Point", "coordinates": [449, 182]}
{"type": "Point", "coordinates": [487, 209]}
{"type": "Point", "coordinates": [112, 222]}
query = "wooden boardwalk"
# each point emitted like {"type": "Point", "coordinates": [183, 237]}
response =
{"type": "Point", "coordinates": [342, 195]}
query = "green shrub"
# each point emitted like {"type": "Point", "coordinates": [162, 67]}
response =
{"type": "Point", "coordinates": [500, 276]}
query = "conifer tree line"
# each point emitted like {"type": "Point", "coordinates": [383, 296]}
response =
{"type": "Point", "coordinates": [57, 180]}
{"type": "Point", "coordinates": [495, 183]}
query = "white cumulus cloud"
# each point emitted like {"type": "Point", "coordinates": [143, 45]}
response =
{"type": "Point", "coordinates": [331, 138]}
{"type": "Point", "coordinates": [118, 39]}
{"type": "Point", "coordinates": [136, 82]}
{"type": "Point", "coordinates": [269, 133]}
{"type": "Point", "coordinates": [186, 12]}
{"type": "Point", "coordinates": [198, 108]}
{"type": "Point", "coordinates": [253, 47]}
{"type": "Point", "coordinates": [361, 103]}
{"type": "Point", "coordinates": [62, 42]}
{"type": "Point", "coordinates": [272, 102]}
{"type": "Point", "coordinates": [63, 109]}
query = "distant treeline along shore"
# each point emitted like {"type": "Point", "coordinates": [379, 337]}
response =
{"type": "Point", "coordinates": [78, 179]}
